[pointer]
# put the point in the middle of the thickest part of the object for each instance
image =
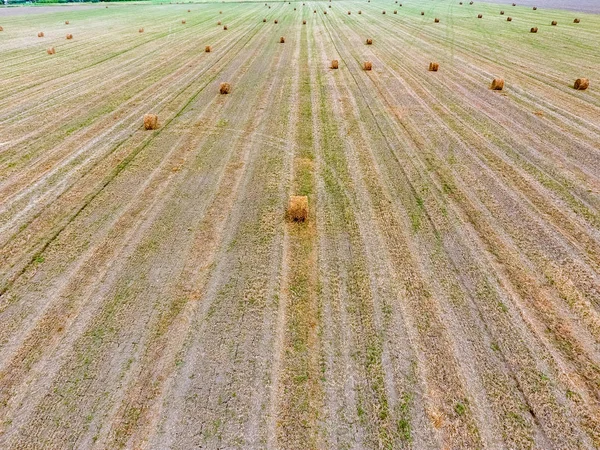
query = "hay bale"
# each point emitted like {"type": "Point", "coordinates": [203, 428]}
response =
{"type": "Point", "coordinates": [576, 21]}
{"type": "Point", "coordinates": [50, 51]}
{"type": "Point", "coordinates": [66, 22]}
{"type": "Point", "coordinates": [294, 9]}
{"type": "Point", "coordinates": [436, 20]}
{"type": "Point", "coordinates": [395, 12]}
{"type": "Point", "coordinates": [497, 84]}
{"type": "Point", "coordinates": [1, 29]}
{"type": "Point", "coordinates": [314, 11]}
{"type": "Point", "coordinates": [480, 16]}
{"type": "Point", "coordinates": [282, 40]}
{"type": "Point", "coordinates": [150, 121]}
{"type": "Point", "coordinates": [535, 8]}
{"type": "Point", "coordinates": [264, 20]}
{"type": "Point", "coordinates": [297, 210]}
{"type": "Point", "coordinates": [220, 12]}
{"type": "Point", "coordinates": [224, 88]}
{"type": "Point", "coordinates": [334, 64]}
{"type": "Point", "coordinates": [581, 84]}
{"type": "Point", "coordinates": [183, 21]}
{"type": "Point", "coordinates": [501, 13]}
{"type": "Point", "coordinates": [533, 30]}
{"type": "Point", "coordinates": [509, 19]}
{"type": "Point", "coordinates": [207, 49]}
{"type": "Point", "coordinates": [69, 36]}
{"type": "Point", "coordinates": [225, 27]}
{"type": "Point", "coordinates": [41, 34]}
{"type": "Point", "coordinates": [422, 13]}
{"type": "Point", "coordinates": [189, 10]}
{"type": "Point", "coordinates": [369, 41]}
{"type": "Point", "coordinates": [325, 12]}
{"type": "Point", "coordinates": [348, 12]}
{"type": "Point", "coordinates": [382, 12]}
{"type": "Point", "coordinates": [141, 30]}
{"type": "Point", "coordinates": [360, 12]}
{"type": "Point", "coordinates": [275, 21]}
{"type": "Point", "coordinates": [367, 65]}
{"type": "Point", "coordinates": [433, 67]}
{"type": "Point", "coordinates": [219, 23]}
{"type": "Point", "coordinates": [304, 22]}
{"type": "Point", "coordinates": [554, 22]}
{"type": "Point", "coordinates": [514, 4]}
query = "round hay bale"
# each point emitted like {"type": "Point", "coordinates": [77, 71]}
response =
{"type": "Point", "coordinates": [224, 88]}
{"type": "Point", "coordinates": [325, 12]}
{"type": "Point", "coordinates": [66, 22]}
{"type": "Point", "coordinates": [304, 22]}
{"type": "Point", "coordinates": [422, 13]}
{"type": "Point", "coordinates": [433, 67]}
{"type": "Point", "coordinates": [141, 30]}
{"type": "Point", "coordinates": [509, 19]}
{"type": "Point", "coordinates": [369, 41]}
{"type": "Point", "coordinates": [69, 36]}
{"type": "Point", "coordinates": [275, 21]}
{"type": "Point", "coordinates": [360, 12]}
{"type": "Point", "coordinates": [554, 23]}
{"type": "Point", "coordinates": [183, 21]}
{"type": "Point", "coordinates": [297, 210]}
{"type": "Point", "coordinates": [533, 30]}
{"type": "Point", "coordinates": [497, 84]}
{"type": "Point", "coordinates": [514, 4]}
{"type": "Point", "coordinates": [576, 21]}
{"type": "Point", "coordinates": [436, 20]}
{"type": "Point", "coordinates": [581, 84]}
{"type": "Point", "coordinates": [395, 12]}
{"type": "Point", "coordinates": [535, 8]}
{"type": "Point", "coordinates": [225, 27]}
{"type": "Point", "coordinates": [294, 9]}
{"type": "Point", "coordinates": [382, 12]}
{"type": "Point", "coordinates": [50, 51]}
{"type": "Point", "coordinates": [282, 40]}
{"type": "Point", "coordinates": [207, 49]}
{"type": "Point", "coordinates": [501, 13]}
{"type": "Point", "coordinates": [41, 34]}
{"type": "Point", "coordinates": [264, 20]}
{"type": "Point", "coordinates": [220, 12]}
{"type": "Point", "coordinates": [189, 10]}
{"type": "Point", "coordinates": [329, 6]}
{"type": "Point", "coordinates": [480, 16]}
{"type": "Point", "coordinates": [150, 121]}
{"type": "Point", "coordinates": [348, 12]}
{"type": "Point", "coordinates": [334, 64]}
{"type": "Point", "coordinates": [367, 65]}
{"type": "Point", "coordinates": [219, 23]}
{"type": "Point", "coordinates": [1, 29]}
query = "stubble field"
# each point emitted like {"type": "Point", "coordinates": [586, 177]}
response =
{"type": "Point", "coordinates": [444, 293]}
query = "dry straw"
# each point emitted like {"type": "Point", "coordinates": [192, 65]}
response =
{"type": "Point", "coordinates": [150, 121]}
{"type": "Point", "coordinates": [367, 65]}
{"type": "Point", "coordinates": [581, 84]}
{"type": "Point", "coordinates": [497, 84]}
{"type": "Point", "coordinates": [334, 64]}
{"type": "Point", "coordinates": [297, 210]}
{"type": "Point", "coordinates": [433, 67]}
{"type": "Point", "coordinates": [224, 88]}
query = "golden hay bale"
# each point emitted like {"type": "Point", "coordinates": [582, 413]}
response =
{"type": "Point", "coordinates": [367, 65]}
{"type": "Point", "coordinates": [297, 210]}
{"type": "Point", "coordinates": [141, 30]}
{"type": "Point", "coordinates": [264, 20]}
{"type": "Point", "coordinates": [275, 21]}
{"type": "Point", "coordinates": [436, 20]}
{"type": "Point", "coordinates": [325, 12]}
{"type": "Point", "coordinates": [433, 67]}
{"type": "Point", "coordinates": [314, 11]}
{"type": "Point", "coordinates": [349, 13]}
{"type": "Point", "coordinates": [581, 84]}
{"type": "Point", "coordinates": [219, 22]}
{"type": "Point", "coordinates": [497, 84]}
{"type": "Point", "coordinates": [66, 22]}
{"type": "Point", "coordinates": [334, 64]}
{"type": "Point", "coordinates": [183, 21]}
{"type": "Point", "coordinates": [41, 34]}
{"type": "Point", "coordinates": [69, 36]}
{"type": "Point", "coordinates": [576, 21]}
{"type": "Point", "coordinates": [395, 12]}
{"type": "Point", "coordinates": [207, 49]}
{"type": "Point", "coordinates": [501, 13]}
{"type": "Point", "coordinates": [51, 51]}
{"type": "Point", "coordinates": [189, 10]}
{"type": "Point", "coordinates": [1, 29]}
{"type": "Point", "coordinates": [150, 121]}
{"type": "Point", "coordinates": [369, 41]}
{"type": "Point", "coordinates": [282, 40]}
{"type": "Point", "coordinates": [534, 30]}
{"type": "Point", "coordinates": [422, 13]}
{"type": "Point", "coordinates": [480, 16]}
{"type": "Point", "coordinates": [535, 8]}
{"type": "Point", "coordinates": [225, 27]}
{"type": "Point", "coordinates": [360, 12]}
{"type": "Point", "coordinates": [224, 88]}
{"type": "Point", "coordinates": [382, 12]}
{"type": "Point", "coordinates": [509, 19]}
{"type": "Point", "coordinates": [554, 22]}
{"type": "Point", "coordinates": [304, 22]}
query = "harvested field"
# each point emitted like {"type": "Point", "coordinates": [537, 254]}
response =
{"type": "Point", "coordinates": [443, 290]}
